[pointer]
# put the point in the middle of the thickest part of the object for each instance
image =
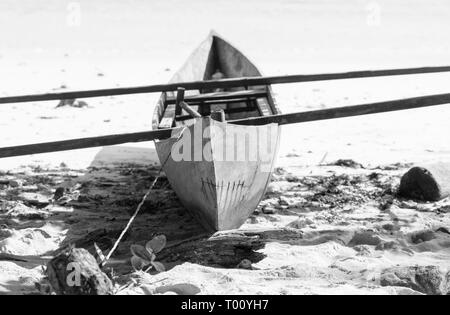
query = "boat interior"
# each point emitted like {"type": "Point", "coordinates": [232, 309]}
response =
{"type": "Point", "coordinates": [223, 61]}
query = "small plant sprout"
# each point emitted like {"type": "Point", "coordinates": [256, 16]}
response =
{"type": "Point", "coordinates": [144, 257]}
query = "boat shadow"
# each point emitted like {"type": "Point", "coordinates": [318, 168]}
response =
{"type": "Point", "coordinates": [109, 193]}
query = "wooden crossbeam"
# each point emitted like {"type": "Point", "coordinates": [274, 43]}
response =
{"type": "Point", "coordinates": [281, 119]}
{"type": "Point", "coordinates": [224, 83]}
{"type": "Point", "coordinates": [226, 111]}
{"type": "Point", "coordinates": [219, 96]}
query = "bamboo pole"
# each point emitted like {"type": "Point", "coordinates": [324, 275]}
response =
{"type": "Point", "coordinates": [225, 83]}
{"type": "Point", "coordinates": [282, 119]}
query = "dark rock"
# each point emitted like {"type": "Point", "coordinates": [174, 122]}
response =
{"type": "Point", "coordinates": [15, 183]}
{"type": "Point", "coordinates": [443, 230]}
{"type": "Point", "coordinates": [365, 238]}
{"type": "Point", "coordinates": [428, 183]}
{"type": "Point", "coordinates": [428, 280]}
{"type": "Point", "coordinates": [268, 210]}
{"type": "Point", "coordinates": [59, 193]}
{"type": "Point", "coordinates": [391, 227]}
{"type": "Point", "coordinates": [423, 236]}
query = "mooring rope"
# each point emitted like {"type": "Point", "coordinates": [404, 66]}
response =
{"type": "Point", "coordinates": [138, 209]}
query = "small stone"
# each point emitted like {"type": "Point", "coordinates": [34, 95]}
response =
{"type": "Point", "coordinates": [59, 193]}
{"type": "Point", "coordinates": [268, 210]}
{"type": "Point", "coordinates": [301, 223]}
{"type": "Point", "coordinates": [391, 227]}
{"type": "Point", "coordinates": [15, 183]}
{"type": "Point", "coordinates": [283, 201]}
{"type": "Point", "coordinates": [5, 233]}
{"type": "Point", "coordinates": [80, 104]}
{"type": "Point", "coordinates": [363, 250]}
{"type": "Point", "coordinates": [245, 264]}
{"type": "Point", "coordinates": [387, 246]}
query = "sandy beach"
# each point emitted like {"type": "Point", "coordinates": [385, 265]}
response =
{"type": "Point", "coordinates": [324, 227]}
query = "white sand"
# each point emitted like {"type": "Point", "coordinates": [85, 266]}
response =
{"type": "Point", "coordinates": [140, 42]}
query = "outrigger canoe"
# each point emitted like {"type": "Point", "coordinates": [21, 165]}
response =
{"type": "Point", "coordinates": [219, 170]}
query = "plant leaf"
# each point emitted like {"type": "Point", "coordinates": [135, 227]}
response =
{"type": "Point", "coordinates": [180, 289]}
{"type": "Point", "coordinates": [141, 252]}
{"type": "Point", "coordinates": [158, 266]}
{"type": "Point", "coordinates": [137, 263]}
{"type": "Point", "coordinates": [156, 244]}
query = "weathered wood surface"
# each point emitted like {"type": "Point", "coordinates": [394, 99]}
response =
{"type": "Point", "coordinates": [224, 83]}
{"type": "Point", "coordinates": [428, 182]}
{"type": "Point", "coordinates": [76, 272]}
{"type": "Point", "coordinates": [193, 113]}
{"type": "Point", "coordinates": [84, 143]}
{"type": "Point", "coordinates": [179, 98]}
{"type": "Point", "coordinates": [349, 111]}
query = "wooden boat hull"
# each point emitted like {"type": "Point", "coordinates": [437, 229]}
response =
{"type": "Point", "coordinates": [220, 192]}
{"type": "Point", "coordinates": [224, 185]}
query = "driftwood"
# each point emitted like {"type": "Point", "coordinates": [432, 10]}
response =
{"type": "Point", "coordinates": [227, 249]}
{"type": "Point", "coordinates": [76, 272]}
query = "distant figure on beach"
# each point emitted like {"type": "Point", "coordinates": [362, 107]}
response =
{"type": "Point", "coordinates": [218, 76]}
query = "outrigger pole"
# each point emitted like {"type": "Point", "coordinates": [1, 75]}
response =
{"type": "Point", "coordinates": [224, 83]}
{"type": "Point", "coordinates": [282, 119]}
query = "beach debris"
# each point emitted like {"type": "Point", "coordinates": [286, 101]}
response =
{"type": "Point", "coordinates": [425, 279]}
{"type": "Point", "coordinates": [76, 272]}
{"type": "Point", "coordinates": [34, 200]}
{"type": "Point", "coordinates": [427, 183]}
{"type": "Point", "coordinates": [346, 163]}
{"type": "Point", "coordinates": [144, 257]}
{"type": "Point", "coordinates": [301, 223]}
{"type": "Point", "coordinates": [363, 250]}
{"type": "Point", "coordinates": [72, 103]}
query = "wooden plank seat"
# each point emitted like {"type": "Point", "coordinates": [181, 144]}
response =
{"type": "Point", "coordinates": [227, 111]}
{"type": "Point", "coordinates": [222, 101]}
{"type": "Point", "coordinates": [257, 99]}
{"type": "Point", "coordinates": [219, 96]}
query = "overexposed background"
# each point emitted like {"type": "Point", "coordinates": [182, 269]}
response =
{"type": "Point", "coordinates": [54, 45]}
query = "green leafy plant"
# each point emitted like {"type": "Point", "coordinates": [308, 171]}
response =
{"type": "Point", "coordinates": [144, 257]}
